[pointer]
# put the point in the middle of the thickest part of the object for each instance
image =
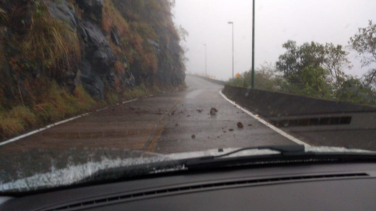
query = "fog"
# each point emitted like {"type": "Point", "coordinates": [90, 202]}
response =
{"type": "Point", "coordinates": [323, 21]}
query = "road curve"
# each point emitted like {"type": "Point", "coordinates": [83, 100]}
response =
{"type": "Point", "coordinates": [171, 122]}
{"type": "Point", "coordinates": [192, 128]}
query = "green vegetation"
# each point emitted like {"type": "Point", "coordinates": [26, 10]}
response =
{"type": "Point", "coordinates": [10, 126]}
{"type": "Point", "coordinates": [364, 44]}
{"type": "Point", "coordinates": [316, 70]}
{"type": "Point", "coordinates": [25, 116]}
{"type": "Point", "coordinates": [56, 104]}
{"type": "Point", "coordinates": [50, 45]}
{"type": "Point", "coordinates": [40, 73]}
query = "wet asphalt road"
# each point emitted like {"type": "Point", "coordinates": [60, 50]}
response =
{"type": "Point", "coordinates": [192, 118]}
{"type": "Point", "coordinates": [178, 121]}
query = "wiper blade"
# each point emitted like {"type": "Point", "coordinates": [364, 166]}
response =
{"type": "Point", "coordinates": [282, 149]}
{"type": "Point", "coordinates": [288, 154]}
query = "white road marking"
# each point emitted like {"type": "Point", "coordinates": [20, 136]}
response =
{"type": "Point", "coordinates": [129, 101]}
{"type": "Point", "coordinates": [53, 125]}
{"type": "Point", "coordinates": [41, 129]}
{"type": "Point", "coordinates": [281, 132]}
{"type": "Point", "coordinates": [98, 110]}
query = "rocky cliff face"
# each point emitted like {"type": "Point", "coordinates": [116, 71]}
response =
{"type": "Point", "coordinates": [99, 44]}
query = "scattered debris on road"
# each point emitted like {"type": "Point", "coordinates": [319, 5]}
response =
{"type": "Point", "coordinates": [231, 130]}
{"type": "Point", "coordinates": [176, 125]}
{"type": "Point", "coordinates": [213, 111]}
{"type": "Point", "coordinates": [250, 125]}
{"type": "Point", "coordinates": [188, 115]}
{"type": "Point", "coordinates": [199, 110]}
{"type": "Point", "coordinates": [240, 125]}
{"type": "Point", "coordinates": [193, 136]}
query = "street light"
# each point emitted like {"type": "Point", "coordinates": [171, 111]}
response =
{"type": "Point", "coordinates": [253, 47]}
{"type": "Point", "coordinates": [232, 23]}
{"type": "Point", "coordinates": [205, 61]}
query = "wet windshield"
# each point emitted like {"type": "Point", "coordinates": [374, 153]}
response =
{"type": "Point", "coordinates": [88, 86]}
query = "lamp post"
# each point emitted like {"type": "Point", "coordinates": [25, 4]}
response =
{"type": "Point", "coordinates": [253, 47]}
{"type": "Point", "coordinates": [232, 24]}
{"type": "Point", "coordinates": [205, 61]}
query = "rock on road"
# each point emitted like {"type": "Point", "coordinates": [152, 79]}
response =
{"type": "Point", "coordinates": [167, 123]}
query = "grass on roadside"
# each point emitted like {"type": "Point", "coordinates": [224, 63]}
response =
{"type": "Point", "coordinates": [10, 126]}
{"type": "Point", "coordinates": [136, 92]}
{"type": "Point", "coordinates": [58, 104]}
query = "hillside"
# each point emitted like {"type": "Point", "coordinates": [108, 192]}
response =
{"type": "Point", "coordinates": [59, 58]}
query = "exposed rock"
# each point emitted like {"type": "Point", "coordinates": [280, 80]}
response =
{"type": "Point", "coordinates": [19, 15]}
{"type": "Point", "coordinates": [96, 68]}
{"type": "Point", "coordinates": [155, 45]}
{"type": "Point", "coordinates": [213, 111]}
{"type": "Point", "coordinates": [92, 8]}
{"type": "Point", "coordinates": [91, 81]}
{"type": "Point", "coordinates": [99, 58]}
{"type": "Point", "coordinates": [130, 80]}
{"type": "Point", "coordinates": [97, 47]}
{"type": "Point", "coordinates": [63, 11]}
{"type": "Point", "coordinates": [240, 125]}
{"type": "Point", "coordinates": [115, 36]}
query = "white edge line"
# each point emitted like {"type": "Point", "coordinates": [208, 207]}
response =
{"type": "Point", "coordinates": [281, 132]}
{"type": "Point", "coordinates": [41, 129]}
{"type": "Point", "coordinates": [125, 102]}
{"type": "Point", "coordinates": [53, 125]}
{"type": "Point", "coordinates": [102, 109]}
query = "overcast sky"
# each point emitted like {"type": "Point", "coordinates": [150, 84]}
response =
{"type": "Point", "coordinates": [332, 21]}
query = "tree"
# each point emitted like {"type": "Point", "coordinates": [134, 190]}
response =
{"type": "Point", "coordinates": [297, 58]}
{"type": "Point", "coordinates": [335, 60]}
{"type": "Point", "coordinates": [316, 82]}
{"type": "Point", "coordinates": [353, 90]}
{"type": "Point", "coordinates": [313, 55]}
{"type": "Point", "coordinates": [183, 33]}
{"type": "Point", "coordinates": [365, 44]}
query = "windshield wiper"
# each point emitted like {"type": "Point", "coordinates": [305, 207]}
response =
{"type": "Point", "coordinates": [288, 154]}
{"type": "Point", "coordinates": [283, 149]}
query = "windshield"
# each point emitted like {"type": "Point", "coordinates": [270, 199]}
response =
{"type": "Point", "coordinates": [90, 86]}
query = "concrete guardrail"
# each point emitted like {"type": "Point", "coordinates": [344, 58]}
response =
{"type": "Point", "coordinates": [295, 111]}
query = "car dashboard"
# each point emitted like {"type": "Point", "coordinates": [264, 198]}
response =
{"type": "Point", "coordinates": [293, 187]}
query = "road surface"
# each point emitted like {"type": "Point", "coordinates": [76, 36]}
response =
{"type": "Point", "coordinates": [167, 123]}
